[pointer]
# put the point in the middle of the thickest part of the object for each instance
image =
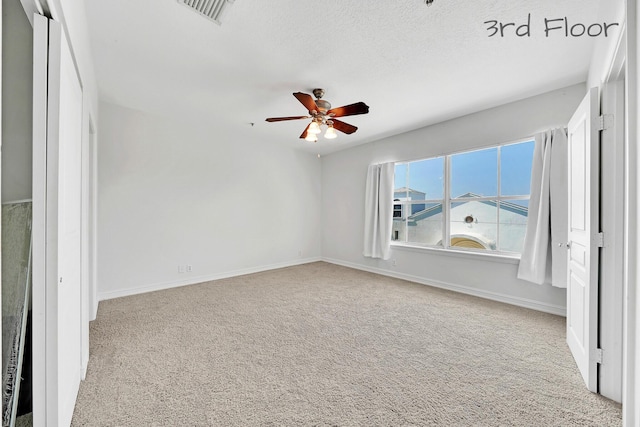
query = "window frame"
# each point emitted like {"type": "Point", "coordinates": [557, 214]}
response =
{"type": "Point", "coordinates": [447, 200]}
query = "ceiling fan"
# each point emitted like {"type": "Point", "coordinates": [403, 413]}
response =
{"type": "Point", "coordinates": [321, 113]}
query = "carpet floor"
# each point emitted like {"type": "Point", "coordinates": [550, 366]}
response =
{"type": "Point", "coordinates": [324, 345]}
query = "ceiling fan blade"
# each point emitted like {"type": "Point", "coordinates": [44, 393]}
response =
{"type": "Point", "coordinates": [304, 134]}
{"type": "Point", "coordinates": [280, 119]}
{"type": "Point", "coordinates": [306, 100]}
{"type": "Point", "coordinates": [349, 110]}
{"type": "Point", "coordinates": [343, 127]}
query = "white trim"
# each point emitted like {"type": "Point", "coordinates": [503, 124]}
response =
{"type": "Point", "coordinates": [40, 363]}
{"type": "Point", "coordinates": [85, 194]}
{"type": "Point", "coordinates": [494, 296]}
{"type": "Point", "coordinates": [612, 252]}
{"type": "Point", "coordinates": [446, 206]}
{"type": "Point", "coordinates": [1, 79]}
{"type": "Point", "coordinates": [460, 253]}
{"type": "Point", "coordinates": [617, 55]}
{"type": "Point", "coordinates": [31, 8]}
{"type": "Point", "coordinates": [12, 202]}
{"type": "Point", "coordinates": [631, 339]}
{"type": "Point", "coordinates": [486, 198]}
{"type": "Point", "coordinates": [93, 209]}
{"type": "Point", "coordinates": [103, 296]}
{"type": "Point", "coordinates": [499, 199]}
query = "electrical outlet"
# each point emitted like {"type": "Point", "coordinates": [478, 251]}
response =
{"type": "Point", "coordinates": [393, 262]}
{"type": "Point", "coordinates": [181, 269]}
{"type": "Point", "coordinates": [299, 253]}
{"type": "Point", "coordinates": [189, 269]}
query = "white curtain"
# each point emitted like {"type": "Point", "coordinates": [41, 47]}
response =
{"type": "Point", "coordinates": [544, 256]}
{"type": "Point", "coordinates": [378, 211]}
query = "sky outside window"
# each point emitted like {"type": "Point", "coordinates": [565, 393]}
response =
{"type": "Point", "coordinates": [472, 172]}
{"type": "Point", "coordinates": [515, 169]}
{"type": "Point", "coordinates": [426, 176]}
{"type": "Point", "coordinates": [475, 172]}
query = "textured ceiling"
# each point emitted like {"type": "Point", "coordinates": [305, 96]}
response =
{"type": "Point", "coordinates": [413, 65]}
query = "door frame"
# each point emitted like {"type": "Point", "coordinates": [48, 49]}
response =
{"type": "Point", "coordinates": [0, 152]}
{"type": "Point", "coordinates": [41, 363]}
{"type": "Point", "coordinates": [631, 338]}
{"type": "Point", "coordinates": [612, 202]}
{"type": "Point", "coordinates": [88, 223]}
{"type": "Point", "coordinates": [93, 220]}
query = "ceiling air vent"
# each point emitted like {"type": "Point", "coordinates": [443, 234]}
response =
{"type": "Point", "coordinates": [210, 9]}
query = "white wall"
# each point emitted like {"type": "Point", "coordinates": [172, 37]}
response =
{"type": "Point", "coordinates": [176, 193]}
{"type": "Point", "coordinates": [605, 47]}
{"type": "Point", "coordinates": [17, 94]}
{"type": "Point", "coordinates": [343, 183]}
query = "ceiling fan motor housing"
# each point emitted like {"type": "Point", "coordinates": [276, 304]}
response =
{"type": "Point", "coordinates": [323, 106]}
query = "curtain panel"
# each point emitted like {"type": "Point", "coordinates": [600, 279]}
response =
{"type": "Point", "coordinates": [544, 255]}
{"type": "Point", "coordinates": [378, 211]}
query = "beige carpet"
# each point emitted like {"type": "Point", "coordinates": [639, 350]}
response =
{"type": "Point", "coordinates": [323, 345]}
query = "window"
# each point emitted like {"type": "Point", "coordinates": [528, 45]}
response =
{"type": "Point", "coordinates": [475, 200]}
{"type": "Point", "coordinates": [419, 188]}
{"type": "Point", "coordinates": [397, 209]}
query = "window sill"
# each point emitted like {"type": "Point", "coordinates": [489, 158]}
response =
{"type": "Point", "coordinates": [492, 257]}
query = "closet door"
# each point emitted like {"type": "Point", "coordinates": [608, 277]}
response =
{"type": "Point", "coordinates": [57, 314]}
{"type": "Point", "coordinates": [584, 227]}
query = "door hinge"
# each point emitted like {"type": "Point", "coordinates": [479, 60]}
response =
{"type": "Point", "coordinates": [599, 354]}
{"type": "Point", "coordinates": [598, 240]}
{"type": "Point", "coordinates": [605, 122]}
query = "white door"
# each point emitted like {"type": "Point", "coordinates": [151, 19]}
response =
{"type": "Point", "coordinates": [582, 283]}
{"type": "Point", "coordinates": [69, 234]}
{"type": "Point", "coordinates": [57, 133]}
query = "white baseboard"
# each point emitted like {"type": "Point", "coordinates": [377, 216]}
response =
{"type": "Point", "coordinates": [509, 299]}
{"type": "Point", "coordinates": [102, 296]}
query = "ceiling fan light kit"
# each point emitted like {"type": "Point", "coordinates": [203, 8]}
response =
{"type": "Point", "coordinates": [314, 128]}
{"type": "Point", "coordinates": [321, 114]}
{"type": "Point", "coordinates": [330, 133]}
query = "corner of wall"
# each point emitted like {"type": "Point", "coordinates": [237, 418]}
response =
{"type": "Point", "coordinates": [604, 53]}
